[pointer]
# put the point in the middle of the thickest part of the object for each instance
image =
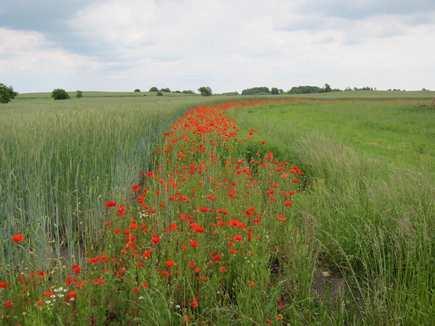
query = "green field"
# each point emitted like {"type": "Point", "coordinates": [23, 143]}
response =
{"type": "Point", "coordinates": [369, 202]}
{"type": "Point", "coordinates": [396, 131]}
{"type": "Point", "coordinates": [358, 246]}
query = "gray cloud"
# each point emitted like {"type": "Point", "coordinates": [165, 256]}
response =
{"type": "Point", "coordinates": [41, 15]}
{"type": "Point", "coordinates": [120, 44]}
{"type": "Point", "coordinates": [47, 17]}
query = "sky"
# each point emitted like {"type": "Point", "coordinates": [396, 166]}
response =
{"type": "Point", "coordinates": [225, 44]}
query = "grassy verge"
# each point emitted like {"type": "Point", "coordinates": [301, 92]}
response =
{"type": "Point", "coordinates": [368, 205]}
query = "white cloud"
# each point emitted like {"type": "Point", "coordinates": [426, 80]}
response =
{"type": "Point", "coordinates": [235, 44]}
{"type": "Point", "coordinates": [29, 55]}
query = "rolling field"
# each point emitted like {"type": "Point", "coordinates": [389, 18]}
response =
{"type": "Point", "coordinates": [128, 209]}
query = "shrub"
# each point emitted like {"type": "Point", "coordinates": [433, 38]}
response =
{"type": "Point", "coordinates": [188, 91]}
{"type": "Point", "coordinates": [205, 91]}
{"type": "Point", "coordinates": [137, 90]}
{"type": "Point", "coordinates": [79, 94]}
{"type": "Point", "coordinates": [256, 91]}
{"type": "Point", "coordinates": [59, 94]}
{"type": "Point", "coordinates": [6, 93]}
{"type": "Point", "coordinates": [159, 93]}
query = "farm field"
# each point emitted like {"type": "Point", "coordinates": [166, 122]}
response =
{"type": "Point", "coordinates": [59, 159]}
{"type": "Point", "coordinates": [275, 210]}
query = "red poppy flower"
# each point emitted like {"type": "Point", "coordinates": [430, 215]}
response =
{"type": "Point", "coordinates": [204, 209]}
{"type": "Point", "coordinates": [76, 269]}
{"type": "Point", "coordinates": [155, 239]}
{"type": "Point", "coordinates": [135, 187]}
{"type": "Point", "coordinates": [172, 227]}
{"type": "Point", "coordinates": [48, 293]}
{"type": "Point", "coordinates": [223, 269]}
{"type": "Point", "coordinates": [238, 237]}
{"type": "Point", "coordinates": [288, 203]}
{"type": "Point", "coordinates": [110, 203]}
{"type": "Point", "coordinates": [135, 290]}
{"type": "Point", "coordinates": [3, 285]}
{"type": "Point", "coordinates": [121, 210]}
{"type": "Point", "coordinates": [250, 211]}
{"type": "Point", "coordinates": [194, 303]}
{"type": "Point", "coordinates": [8, 304]}
{"type": "Point", "coordinates": [99, 281]}
{"type": "Point", "coordinates": [196, 228]}
{"type": "Point", "coordinates": [71, 295]}
{"type": "Point", "coordinates": [18, 237]}
{"type": "Point", "coordinates": [98, 260]}
{"type": "Point", "coordinates": [216, 257]}
{"type": "Point", "coordinates": [193, 243]}
{"type": "Point", "coordinates": [147, 254]}
{"type": "Point", "coordinates": [170, 263]}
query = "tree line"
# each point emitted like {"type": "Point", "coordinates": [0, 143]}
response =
{"type": "Point", "coordinates": [7, 93]}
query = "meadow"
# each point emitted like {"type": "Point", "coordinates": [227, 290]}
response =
{"type": "Point", "coordinates": [262, 211]}
{"type": "Point", "coordinates": [368, 209]}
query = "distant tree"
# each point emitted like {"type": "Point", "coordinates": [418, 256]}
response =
{"type": "Point", "coordinates": [365, 88]}
{"type": "Point", "coordinates": [256, 91]}
{"type": "Point", "coordinates": [6, 93]}
{"type": "Point", "coordinates": [137, 90]}
{"type": "Point", "coordinates": [327, 88]}
{"type": "Point", "coordinates": [79, 94]}
{"type": "Point", "coordinates": [165, 90]}
{"type": "Point", "coordinates": [305, 90]}
{"type": "Point", "coordinates": [154, 89]}
{"type": "Point", "coordinates": [59, 94]}
{"type": "Point", "coordinates": [274, 91]}
{"type": "Point", "coordinates": [205, 91]}
{"type": "Point", "coordinates": [159, 93]}
{"type": "Point", "coordinates": [188, 91]}
{"type": "Point", "coordinates": [235, 93]}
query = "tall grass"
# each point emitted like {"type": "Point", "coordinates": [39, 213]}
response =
{"type": "Point", "coordinates": [371, 221]}
{"type": "Point", "coordinates": [60, 160]}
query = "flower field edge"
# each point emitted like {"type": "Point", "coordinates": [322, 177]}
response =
{"type": "Point", "coordinates": [202, 237]}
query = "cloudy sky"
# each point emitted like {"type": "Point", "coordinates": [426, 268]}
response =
{"type": "Point", "coordinates": [226, 44]}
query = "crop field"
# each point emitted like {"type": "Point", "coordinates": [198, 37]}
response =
{"type": "Point", "coordinates": [124, 209]}
{"type": "Point", "coordinates": [58, 160]}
